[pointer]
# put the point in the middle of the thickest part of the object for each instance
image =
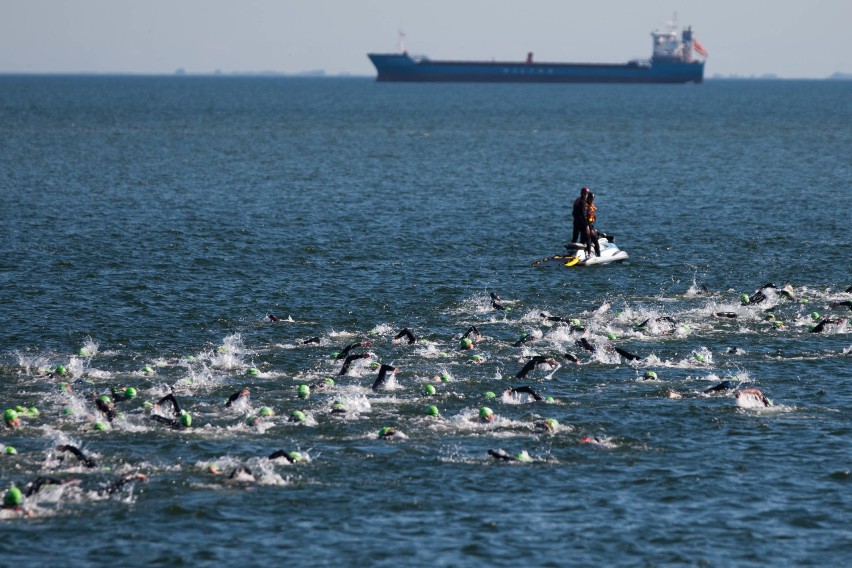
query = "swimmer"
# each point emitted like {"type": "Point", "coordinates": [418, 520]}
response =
{"type": "Point", "coordinates": [472, 333]}
{"type": "Point", "coordinates": [523, 390]}
{"type": "Point", "coordinates": [549, 424]}
{"type": "Point", "coordinates": [291, 457]}
{"type": "Point", "coordinates": [584, 343]}
{"type": "Point", "coordinates": [486, 414]}
{"type": "Point", "coordinates": [649, 376]}
{"type": "Point", "coordinates": [350, 359]}
{"type": "Point", "coordinates": [408, 334]}
{"type": "Point", "coordinates": [243, 393]}
{"type": "Point", "coordinates": [121, 395]}
{"type": "Point", "coordinates": [382, 378]}
{"type": "Point", "coordinates": [721, 387]}
{"type": "Point", "coordinates": [554, 318]}
{"type": "Point", "coordinates": [495, 302]}
{"type": "Point", "coordinates": [671, 323]}
{"type": "Point", "coordinates": [325, 383]}
{"type": "Point", "coordinates": [754, 393]}
{"type": "Point", "coordinates": [116, 485]}
{"type": "Point", "coordinates": [534, 362]}
{"type": "Point", "coordinates": [241, 473]}
{"type": "Point", "coordinates": [387, 433]}
{"type": "Point", "coordinates": [502, 454]}
{"type": "Point", "coordinates": [11, 418]}
{"type": "Point", "coordinates": [105, 405]}
{"type": "Point", "coordinates": [338, 407]}
{"type": "Point", "coordinates": [36, 484]}
{"type": "Point", "coordinates": [847, 303]}
{"type": "Point", "coordinates": [818, 328]}
{"type": "Point", "coordinates": [272, 317]}
{"type": "Point", "coordinates": [88, 462]}
{"type": "Point", "coordinates": [185, 421]}
{"type": "Point", "coordinates": [571, 357]}
{"type": "Point", "coordinates": [525, 338]}
{"type": "Point", "coordinates": [626, 354]}
{"type": "Point", "coordinates": [312, 340]}
{"type": "Point", "coordinates": [350, 347]}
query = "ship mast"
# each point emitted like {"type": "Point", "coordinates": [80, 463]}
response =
{"type": "Point", "coordinates": [402, 43]}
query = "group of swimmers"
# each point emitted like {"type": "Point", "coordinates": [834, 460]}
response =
{"type": "Point", "coordinates": [168, 411]}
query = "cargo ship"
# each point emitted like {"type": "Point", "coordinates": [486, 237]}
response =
{"type": "Point", "coordinates": [673, 60]}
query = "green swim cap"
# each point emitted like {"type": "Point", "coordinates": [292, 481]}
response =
{"type": "Point", "coordinates": [61, 370]}
{"type": "Point", "coordinates": [811, 327]}
{"type": "Point", "coordinates": [20, 409]}
{"type": "Point", "coordinates": [185, 419]}
{"type": "Point", "coordinates": [147, 369]}
{"type": "Point", "coordinates": [815, 315]}
{"type": "Point", "coordinates": [338, 405]}
{"type": "Point", "coordinates": [252, 371]}
{"type": "Point", "coordinates": [251, 420]}
{"type": "Point", "coordinates": [11, 451]}
{"type": "Point", "coordinates": [485, 412]}
{"type": "Point", "coordinates": [304, 391]}
{"type": "Point", "coordinates": [68, 411]}
{"type": "Point", "coordinates": [105, 398]}
{"type": "Point", "coordinates": [549, 399]}
{"type": "Point", "coordinates": [33, 411]}
{"type": "Point", "coordinates": [465, 343]}
{"type": "Point", "coordinates": [99, 425]}
{"type": "Point", "coordinates": [295, 456]}
{"type": "Point", "coordinates": [490, 394]}
{"type": "Point", "coordinates": [13, 497]}
{"type": "Point", "coordinates": [778, 323]}
{"type": "Point", "coordinates": [433, 411]}
{"type": "Point", "coordinates": [429, 390]}
{"type": "Point", "coordinates": [523, 456]}
{"type": "Point", "coordinates": [328, 382]}
{"type": "Point", "coordinates": [552, 423]}
{"type": "Point", "coordinates": [64, 387]}
{"type": "Point", "coordinates": [130, 392]}
{"type": "Point", "coordinates": [297, 415]}
{"type": "Point", "coordinates": [699, 357]}
{"type": "Point", "coordinates": [770, 316]}
{"type": "Point", "coordinates": [386, 431]}
{"type": "Point", "coordinates": [147, 405]}
{"type": "Point", "coordinates": [650, 375]}
{"type": "Point", "coordinates": [804, 300]}
{"type": "Point", "coordinates": [476, 358]}
{"type": "Point", "coordinates": [334, 355]}
{"type": "Point", "coordinates": [576, 323]}
{"type": "Point", "coordinates": [266, 411]}
{"type": "Point", "coordinates": [523, 336]}
{"type": "Point", "coordinates": [744, 298]}
{"type": "Point", "coordinates": [445, 377]}
{"type": "Point", "coordinates": [10, 415]}
{"type": "Point", "coordinates": [611, 336]}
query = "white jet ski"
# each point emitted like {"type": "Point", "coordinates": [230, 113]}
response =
{"type": "Point", "coordinates": [577, 254]}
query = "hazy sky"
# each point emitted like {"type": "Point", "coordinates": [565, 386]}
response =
{"type": "Point", "coordinates": [789, 38]}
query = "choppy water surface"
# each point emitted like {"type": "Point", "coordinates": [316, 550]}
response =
{"type": "Point", "coordinates": [150, 226]}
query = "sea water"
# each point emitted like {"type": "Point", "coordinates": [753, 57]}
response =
{"type": "Point", "coordinates": [151, 225]}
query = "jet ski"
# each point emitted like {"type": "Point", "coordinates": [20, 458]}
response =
{"type": "Point", "coordinates": [576, 255]}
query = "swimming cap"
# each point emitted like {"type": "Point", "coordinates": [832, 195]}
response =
{"type": "Point", "coordinates": [575, 322]}
{"type": "Point", "coordinates": [130, 392]}
{"type": "Point", "coordinates": [611, 336]}
{"type": "Point", "coordinates": [334, 355]}
{"type": "Point", "coordinates": [328, 382]}
{"type": "Point", "coordinates": [778, 324]}
{"type": "Point", "coordinates": [432, 411]}
{"type": "Point", "coordinates": [10, 415]}
{"type": "Point", "coordinates": [13, 497]}
{"type": "Point", "coordinates": [445, 377]}
{"type": "Point", "coordinates": [11, 451]}
{"type": "Point", "coordinates": [99, 425]}
{"type": "Point", "coordinates": [61, 371]}
{"type": "Point", "coordinates": [63, 386]}
{"type": "Point", "coordinates": [295, 456]}
{"type": "Point", "coordinates": [650, 375]}
{"type": "Point", "coordinates": [33, 411]}
{"type": "Point", "coordinates": [476, 358]}
{"type": "Point", "coordinates": [549, 399]}
{"type": "Point", "coordinates": [386, 431]}
{"type": "Point", "coordinates": [465, 343]}
{"type": "Point", "coordinates": [699, 357]}
{"type": "Point", "coordinates": [147, 369]}
{"type": "Point", "coordinates": [252, 371]}
{"type": "Point", "coordinates": [804, 300]}
{"type": "Point", "coordinates": [485, 412]}
{"type": "Point", "coordinates": [68, 411]}
{"type": "Point", "coordinates": [338, 405]}
{"type": "Point", "coordinates": [552, 423]}
{"type": "Point", "coordinates": [185, 419]}
{"type": "Point", "coordinates": [523, 456]}
{"type": "Point", "coordinates": [490, 394]}
{"type": "Point", "coordinates": [304, 391]}
{"type": "Point", "coordinates": [147, 405]}
{"type": "Point", "coordinates": [815, 315]}
{"type": "Point", "coordinates": [744, 298]}
{"type": "Point", "coordinates": [251, 420]}
{"type": "Point", "coordinates": [429, 390]}
{"type": "Point", "coordinates": [83, 352]}
{"type": "Point", "coordinates": [523, 335]}
{"type": "Point", "coordinates": [297, 416]}
{"type": "Point", "coordinates": [265, 411]}
{"type": "Point", "coordinates": [105, 398]}
{"type": "Point", "coordinates": [770, 316]}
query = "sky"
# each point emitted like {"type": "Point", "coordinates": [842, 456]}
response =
{"type": "Point", "coordinates": [787, 38]}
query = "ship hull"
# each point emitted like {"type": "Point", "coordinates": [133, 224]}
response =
{"type": "Point", "coordinates": [402, 68]}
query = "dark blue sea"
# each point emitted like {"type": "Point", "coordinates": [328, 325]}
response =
{"type": "Point", "coordinates": [152, 225]}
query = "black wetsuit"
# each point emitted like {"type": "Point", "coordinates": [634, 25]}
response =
{"type": "Point", "coordinates": [175, 424]}
{"type": "Point", "coordinates": [281, 454]}
{"type": "Point", "coordinates": [472, 331]}
{"type": "Point", "coordinates": [527, 390]}
{"type": "Point", "coordinates": [408, 334]}
{"type": "Point", "coordinates": [495, 302]}
{"type": "Point", "coordinates": [532, 363]}
{"type": "Point", "coordinates": [39, 482]}
{"type": "Point", "coordinates": [170, 398]}
{"type": "Point", "coordinates": [234, 397]}
{"type": "Point", "coordinates": [349, 360]}
{"type": "Point", "coordinates": [626, 354]}
{"type": "Point", "coordinates": [578, 212]}
{"type": "Point", "coordinates": [88, 462]}
{"type": "Point", "coordinates": [382, 378]}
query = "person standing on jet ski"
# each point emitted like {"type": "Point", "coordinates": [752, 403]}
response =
{"type": "Point", "coordinates": [589, 217]}
{"type": "Point", "coordinates": [578, 212]}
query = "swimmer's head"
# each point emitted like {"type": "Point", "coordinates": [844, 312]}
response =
{"type": "Point", "coordinates": [334, 355]}
{"type": "Point", "coordinates": [523, 456]}
{"type": "Point", "coordinates": [329, 382]}
{"type": "Point", "coordinates": [252, 371]}
{"type": "Point", "coordinates": [490, 394]}
{"type": "Point", "coordinates": [375, 365]}
{"type": "Point", "coordinates": [465, 343]}
{"type": "Point", "coordinates": [386, 432]}
{"type": "Point", "coordinates": [10, 415]}
{"type": "Point", "coordinates": [99, 426]}
{"type": "Point", "coordinates": [476, 359]}
{"type": "Point", "coordinates": [486, 414]}
{"type": "Point", "coordinates": [10, 451]}
{"type": "Point", "coordinates": [338, 406]}
{"type": "Point", "coordinates": [611, 336]}
{"type": "Point", "coordinates": [130, 392]}
{"type": "Point", "coordinates": [650, 375]}
{"type": "Point", "coordinates": [304, 391]}
{"type": "Point", "coordinates": [549, 399]}
{"type": "Point", "coordinates": [265, 411]}
{"type": "Point", "coordinates": [429, 390]}
{"type": "Point", "coordinates": [13, 497]}
{"type": "Point", "coordinates": [295, 456]}
{"type": "Point", "coordinates": [551, 424]}
{"type": "Point", "coordinates": [185, 419]}
{"type": "Point", "coordinates": [744, 299]}
{"type": "Point", "coordinates": [61, 370]}
{"type": "Point", "coordinates": [584, 191]}
{"type": "Point", "coordinates": [445, 377]}
{"type": "Point", "coordinates": [815, 315]}
{"type": "Point", "coordinates": [297, 416]}
{"type": "Point", "coordinates": [432, 411]}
